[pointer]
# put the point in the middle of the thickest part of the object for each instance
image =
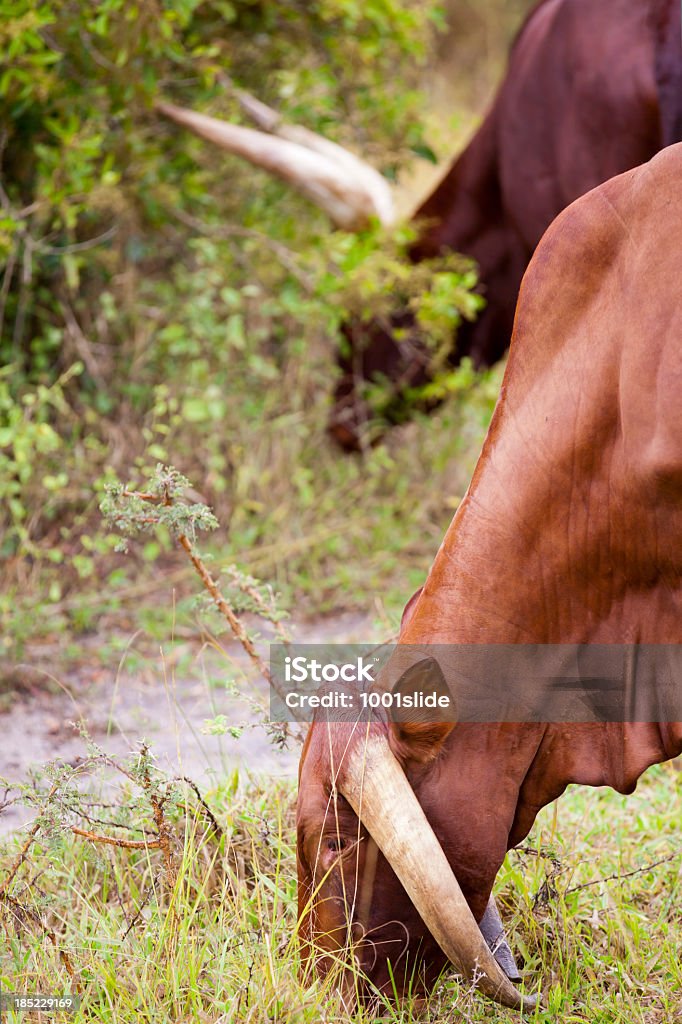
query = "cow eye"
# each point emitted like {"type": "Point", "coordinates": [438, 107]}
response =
{"type": "Point", "coordinates": [336, 844]}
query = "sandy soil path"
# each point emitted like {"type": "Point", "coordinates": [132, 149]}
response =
{"type": "Point", "coordinates": [165, 701]}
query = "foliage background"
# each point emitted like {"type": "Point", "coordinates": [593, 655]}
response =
{"type": "Point", "coordinates": [163, 301]}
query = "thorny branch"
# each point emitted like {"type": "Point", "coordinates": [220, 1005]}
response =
{"type": "Point", "coordinates": [628, 874]}
{"type": "Point", "coordinates": [163, 840]}
{"type": "Point", "coordinates": [547, 889]}
{"type": "Point", "coordinates": [23, 853]}
{"type": "Point", "coordinates": [204, 806]}
{"type": "Point", "coordinates": [19, 911]}
{"type": "Point", "coordinates": [126, 844]}
{"type": "Point", "coordinates": [164, 496]}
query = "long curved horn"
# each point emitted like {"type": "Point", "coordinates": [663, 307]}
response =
{"type": "Point", "coordinates": [349, 191]}
{"type": "Point", "coordinates": [378, 791]}
{"type": "Point", "coordinates": [269, 120]}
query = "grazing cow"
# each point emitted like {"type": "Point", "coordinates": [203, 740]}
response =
{"type": "Point", "coordinates": [592, 89]}
{"type": "Point", "coordinates": [569, 533]}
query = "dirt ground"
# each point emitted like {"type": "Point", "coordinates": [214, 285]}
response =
{"type": "Point", "coordinates": [165, 700]}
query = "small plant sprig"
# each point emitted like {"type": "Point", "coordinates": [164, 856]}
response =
{"type": "Point", "coordinates": [162, 504]}
{"type": "Point", "coordinates": [135, 512]}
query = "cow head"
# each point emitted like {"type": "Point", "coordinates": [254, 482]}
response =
{"type": "Point", "coordinates": [376, 847]}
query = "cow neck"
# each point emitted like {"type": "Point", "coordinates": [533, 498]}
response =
{"type": "Point", "coordinates": [515, 569]}
{"type": "Point", "coordinates": [569, 532]}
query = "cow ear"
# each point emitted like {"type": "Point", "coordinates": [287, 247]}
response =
{"type": "Point", "coordinates": [418, 729]}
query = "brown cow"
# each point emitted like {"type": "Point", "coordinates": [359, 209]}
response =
{"type": "Point", "coordinates": [592, 89]}
{"type": "Point", "coordinates": [569, 533]}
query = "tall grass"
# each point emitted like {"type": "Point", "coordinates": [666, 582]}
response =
{"type": "Point", "coordinates": [599, 929]}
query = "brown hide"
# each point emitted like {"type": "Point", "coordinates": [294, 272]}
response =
{"type": "Point", "coordinates": [592, 90]}
{"type": "Point", "coordinates": [569, 533]}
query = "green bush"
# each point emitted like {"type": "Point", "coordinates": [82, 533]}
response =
{"type": "Point", "coordinates": [161, 301]}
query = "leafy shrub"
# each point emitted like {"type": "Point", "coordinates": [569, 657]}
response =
{"type": "Point", "coordinates": [198, 299]}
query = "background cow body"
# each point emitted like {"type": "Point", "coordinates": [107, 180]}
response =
{"type": "Point", "coordinates": [592, 90]}
{"type": "Point", "coordinates": [569, 533]}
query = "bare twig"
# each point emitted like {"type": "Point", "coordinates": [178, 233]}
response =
{"type": "Point", "coordinates": [6, 283]}
{"type": "Point", "coordinates": [112, 824]}
{"type": "Point", "coordinates": [136, 917]}
{"type": "Point", "coordinates": [628, 874]}
{"type": "Point", "coordinates": [247, 586]}
{"type": "Point", "coordinates": [165, 841]}
{"type": "Point", "coordinates": [82, 344]}
{"type": "Point", "coordinates": [126, 844]}
{"type": "Point", "coordinates": [163, 827]}
{"type": "Point", "coordinates": [221, 604]}
{"type": "Point", "coordinates": [165, 497]}
{"type": "Point", "coordinates": [124, 594]}
{"type": "Point", "coordinates": [206, 809]}
{"type": "Point", "coordinates": [18, 909]}
{"type": "Point", "coordinates": [236, 626]}
{"type": "Point", "coordinates": [23, 853]}
{"type": "Point", "coordinates": [211, 586]}
{"type": "Point", "coordinates": [24, 291]}
{"type": "Point", "coordinates": [66, 250]}
{"type": "Point", "coordinates": [96, 55]}
{"type": "Point", "coordinates": [6, 802]}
